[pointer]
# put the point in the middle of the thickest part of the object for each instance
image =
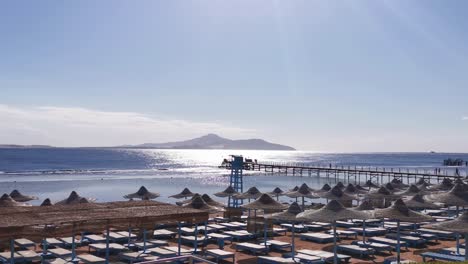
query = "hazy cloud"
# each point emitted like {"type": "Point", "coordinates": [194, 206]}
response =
{"type": "Point", "coordinates": [71, 126]}
{"type": "Point", "coordinates": [465, 118]}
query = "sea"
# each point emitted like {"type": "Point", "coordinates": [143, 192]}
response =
{"type": "Point", "coordinates": [107, 174]}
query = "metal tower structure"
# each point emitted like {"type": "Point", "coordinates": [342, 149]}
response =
{"type": "Point", "coordinates": [235, 180]}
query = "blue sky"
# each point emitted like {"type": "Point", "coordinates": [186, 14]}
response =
{"type": "Point", "coordinates": [317, 75]}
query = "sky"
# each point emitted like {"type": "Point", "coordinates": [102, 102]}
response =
{"type": "Point", "coordinates": [334, 76]}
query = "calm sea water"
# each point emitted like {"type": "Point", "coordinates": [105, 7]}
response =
{"type": "Point", "coordinates": [108, 174]}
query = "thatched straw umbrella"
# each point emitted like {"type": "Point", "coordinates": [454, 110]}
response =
{"type": "Point", "coordinates": [417, 202]}
{"type": "Point", "coordinates": [337, 194]}
{"type": "Point", "coordinates": [332, 212]}
{"type": "Point", "coordinates": [411, 191]}
{"type": "Point", "coordinates": [340, 185]}
{"type": "Point", "coordinates": [421, 181]}
{"type": "Point", "coordinates": [457, 196]}
{"type": "Point", "coordinates": [398, 184]}
{"type": "Point", "coordinates": [460, 226]}
{"type": "Point", "coordinates": [400, 212]}
{"type": "Point", "coordinates": [186, 193]}
{"type": "Point", "coordinates": [294, 189]}
{"type": "Point", "coordinates": [142, 194]}
{"type": "Point", "coordinates": [7, 201]}
{"type": "Point", "coordinates": [19, 197]}
{"type": "Point", "coordinates": [46, 202]}
{"type": "Point", "coordinates": [360, 188]}
{"type": "Point", "coordinates": [211, 202]}
{"type": "Point", "coordinates": [180, 203]}
{"type": "Point", "coordinates": [276, 192]}
{"type": "Point", "coordinates": [265, 203]}
{"type": "Point", "coordinates": [288, 216]}
{"type": "Point", "coordinates": [199, 204]}
{"type": "Point", "coordinates": [352, 190]}
{"type": "Point", "coordinates": [369, 184]}
{"type": "Point", "coordinates": [251, 193]}
{"type": "Point", "coordinates": [445, 185]}
{"type": "Point", "coordinates": [325, 188]}
{"type": "Point", "coordinates": [229, 192]}
{"type": "Point", "coordinates": [390, 187]}
{"type": "Point", "coordinates": [303, 192]}
{"type": "Point", "coordinates": [365, 205]}
{"type": "Point", "coordinates": [73, 198]}
{"type": "Point", "coordinates": [382, 194]}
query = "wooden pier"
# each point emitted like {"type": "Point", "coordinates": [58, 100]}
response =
{"type": "Point", "coordinates": [356, 174]}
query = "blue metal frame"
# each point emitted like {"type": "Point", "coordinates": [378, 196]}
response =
{"type": "Point", "coordinates": [235, 180]}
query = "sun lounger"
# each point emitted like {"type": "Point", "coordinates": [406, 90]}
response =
{"type": "Point", "coordinates": [163, 233]}
{"type": "Point", "coordinates": [308, 259]}
{"type": "Point", "coordinates": [370, 231]}
{"type": "Point", "coordinates": [161, 252]}
{"type": "Point", "coordinates": [56, 261]}
{"type": "Point", "coordinates": [434, 212]}
{"type": "Point", "coordinates": [231, 226]}
{"type": "Point", "coordinates": [60, 252]}
{"type": "Point", "coordinates": [253, 248]}
{"type": "Point", "coordinates": [327, 256]}
{"type": "Point", "coordinates": [116, 237]}
{"type": "Point", "coordinates": [219, 237]}
{"type": "Point", "coordinates": [412, 241]}
{"type": "Point", "coordinates": [91, 259]}
{"type": "Point", "coordinates": [68, 241]}
{"type": "Point", "coordinates": [325, 225]}
{"type": "Point", "coordinates": [297, 228]}
{"type": "Point", "coordinates": [199, 240]}
{"type": "Point", "coordinates": [439, 233]}
{"type": "Point", "coordinates": [314, 228]}
{"type": "Point", "coordinates": [5, 257]}
{"type": "Point", "coordinates": [378, 247]}
{"type": "Point", "coordinates": [369, 222]}
{"type": "Point", "coordinates": [279, 231]}
{"type": "Point", "coordinates": [53, 242]}
{"type": "Point", "coordinates": [275, 260]}
{"type": "Point", "coordinates": [25, 243]}
{"type": "Point", "coordinates": [183, 250]}
{"type": "Point", "coordinates": [101, 247]}
{"type": "Point", "coordinates": [278, 245]}
{"type": "Point", "coordinates": [29, 255]}
{"type": "Point", "coordinates": [220, 219]}
{"type": "Point", "coordinates": [151, 244]}
{"type": "Point", "coordinates": [188, 231]}
{"type": "Point", "coordinates": [346, 224]}
{"type": "Point", "coordinates": [132, 256]}
{"type": "Point", "coordinates": [317, 237]}
{"type": "Point", "coordinates": [344, 233]}
{"type": "Point", "coordinates": [356, 250]}
{"type": "Point", "coordinates": [440, 256]}
{"type": "Point", "coordinates": [127, 234]}
{"type": "Point", "coordinates": [403, 225]}
{"type": "Point", "coordinates": [388, 241]}
{"type": "Point", "coordinates": [216, 227]}
{"type": "Point", "coordinates": [453, 251]}
{"type": "Point", "coordinates": [239, 235]}
{"type": "Point", "coordinates": [219, 254]}
{"type": "Point", "coordinates": [94, 239]}
{"type": "Point", "coordinates": [239, 224]}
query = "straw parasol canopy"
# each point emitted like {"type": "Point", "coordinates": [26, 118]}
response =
{"type": "Point", "coordinates": [276, 192]}
{"type": "Point", "coordinates": [398, 184]}
{"type": "Point", "coordinates": [370, 184]}
{"type": "Point", "coordinates": [366, 205]}
{"type": "Point", "coordinates": [445, 185]}
{"type": "Point", "coordinates": [390, 187]}
{"type": "Point", "coordinates": [19, 197]}
{"type": "Point", "coordinates": [211, 202]}
{"type": "Point", "coordinates": [142, 194]}
{"type": "Point", "coordinates": [340, 185]}
{"type": "Point", "coordinates": [381, 193]}
{"type": "Point", "coordinates": [251, 193]}
{"type": "Point", "coordinates": [459, 225]}
{"type": "Point", "coordinates": [333, 211]}
{"type": "Point", "coordinates": [265, 202]}
{"type": "Point", "coordinates": [294, 189]}
{"type": "Point", "coordinates": [184, 194]}
{"type": "Point", "coordinates": [73, 198]}
{"type": "Point", "coordinates": [337, 194]}
{"type": "Point", "coordinates": [412, 190]}
{"type": "Point", "coordinates": [226, 193]}
{"type": "Point", "coordinates": [360, 188]}
{"type": "Point", "coordinates": [351, 189]}
{"type": "Point", "coordinates": [325, 188]}
{"type": "Point", "coordinates": [199, 204]}
{"type": "Point", "coordinates": [195, 195]}
{"type": "Point", "coordinates": [421, 181]}
{"type": "Point", "coordinates": [46, 202]}
{"type": "Point", "coordinates": [400, 211]}
{"type": "Point", "coordinates": [7, 201]}
{"type": "Point", "coordinates": [417, 202]}
{"type": "Point", "coordinates": [457, 196]}
{"type": "Point", "coordinates": [303, 191]}
{"type": "Point", "coordinates": [287, 215]}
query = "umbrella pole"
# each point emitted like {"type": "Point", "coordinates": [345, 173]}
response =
{"type": "Point", "coordinates": [293, 246]}
{"type": "Point", "coordinates": [107, 243]}
{"type": "Point", "coordinates": [335, 256]}
{"type": "Point", "coordinates": [458, 243]}
{"type": "Point", "coordinates": [129, 235]}
{"type": "Point", "coordinates": [277, 197]}
{"type": "Point", "coordinates": [364, 231]}
{"type": "Point", "coordinates": [265, 231]}
{"type": "Point", "coordinates": [12, 251]}
{"type": "Point", "coordinates": [44, 250]}
{"type": "Point", "coordinates": [303, 203]}
{"type": "Point", "coordinates": [196, 238]}
{"type": "Point", "coordinates": [144, 240]}
{"type": "Point", "coordinates": [73, 243]}
{"type": "Point", "coordinates": [179, 238]}
{"type": "Point", "coordinates": [466, 247]}
{"type": "Point", "coordinates": [398, 241]}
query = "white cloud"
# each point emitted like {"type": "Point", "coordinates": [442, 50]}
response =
{"type": "Point", "coordinates": [69, 126]}
{"type": "Point", "coordinates": [465, 118]}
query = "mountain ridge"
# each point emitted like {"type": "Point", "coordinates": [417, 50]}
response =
{"type": "Point", "coordinates": [213, 141]}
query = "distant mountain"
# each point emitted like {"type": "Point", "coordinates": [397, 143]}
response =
{"type": "Point", "coordinates": [23, 146]}
{"type": "Point", "coordinates": [212, 141]}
